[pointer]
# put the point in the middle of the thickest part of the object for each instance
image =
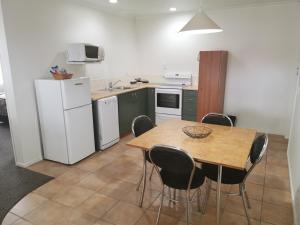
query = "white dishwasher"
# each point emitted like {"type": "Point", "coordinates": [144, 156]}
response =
{"type": "Point", "coordinates": [106, 119]}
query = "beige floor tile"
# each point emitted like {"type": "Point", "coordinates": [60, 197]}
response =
{"type": "Point", "coordinates": [105, 185]}
{"type": "Point", "coordinates": [97, 205]}
{"type": "Point", "coordinates": [235, 219]}
{"type": "Point", "coordinates": [47, 213]}
{"type": "Point", "coordinates": [276, 215]}
{"type": "Point", "coordinates": [277, 182]}
{"type": "Point", "coordinates": [27, 204]}
{"type": "Point", "coordinates": [101, 222]}
{"type": "Point", "coordinates": [49, 168]}
{"type": "Point", "coordinates": [73, 196]}
{"type": "Point", "coordinates": [277, 197]}
{"type": "Point", "coordinates": [196, 217]}
{"type": "Point", "coordinates": [235, 205]}
{"type": "Point", "coordinates": [123, 214]}
{"type": "Point", "coordinates": [75, 217]}
{"type": "Point", "coordinates": [50, 189]}
{"type": "Point", "coordinates": [256, 179]}
{"type": "Point", "coordinates": [277, 171]}
{"type": "Point", "coordinates": [133, 197]}
{"type": "Point", "coordinates": [73, 176]}
{"type": "Point", "coordinates": [117, 189]}
{"type": "Point", "coordinates": [22, 222]}
{"type": "Point", "coordinates": [93, 182]}
{"type": "Point", "coordinates": [89, 164]}
{"type": "Point", "coordinates": [149, 218]}
{"type": "Point", "coordinates": [9, 219]}
{"type": "Point", "coordinates": [263, 223]}
{"type": "Point", "coordinates": [255, 191]}
{"type": "Point", "coordinates": [169, 208]}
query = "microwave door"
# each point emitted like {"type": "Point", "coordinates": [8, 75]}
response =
{"type": "Point", "coordinates": [91, 52]}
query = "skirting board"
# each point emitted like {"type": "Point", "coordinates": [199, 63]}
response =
{"type": "Point", "coordinates": [27, 164]}
{"type": "Point", "coordinates": [292, 192]}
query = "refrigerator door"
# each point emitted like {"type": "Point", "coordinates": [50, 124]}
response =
{"type": "Point", "coordinates": [75, 92]}
{"type": "Point", "coordinates": [108, 121]}
{"type": "Point", "coordinates": [80, 133]}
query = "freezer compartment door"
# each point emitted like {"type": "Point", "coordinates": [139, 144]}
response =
{"type": "Point", "coordinates": [75, 92]}
{"type": "Point", "coordinates": [108, 121]}
{"type": "Point", "coordinates": [80, 133]}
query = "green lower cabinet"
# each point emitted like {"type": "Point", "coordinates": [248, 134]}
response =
{"type": "Point", "coordinates": [189, 105]}
{"type": "Point", "coordinates": [131, 105]}
{"type": "Point", "coordinates": [151, 104]}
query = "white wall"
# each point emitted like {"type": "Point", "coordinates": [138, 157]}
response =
{"type": "Point", "coordinates": [294, 147]}
{"type": "Point", "coordinates": [38, 32]}
{"type": "Point", "coordinates": [261, 71]}
{"type": "Point", "coordinates": [1, 79]}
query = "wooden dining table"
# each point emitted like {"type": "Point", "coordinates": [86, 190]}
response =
{"type": "Point", "coordinates": [225, 146]}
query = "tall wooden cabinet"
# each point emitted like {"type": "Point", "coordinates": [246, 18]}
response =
{"type": "Point", "coordinates": [212, 77]}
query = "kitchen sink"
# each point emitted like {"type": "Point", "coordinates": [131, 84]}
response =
{"type": "Point", "coordinates": [123, 88]}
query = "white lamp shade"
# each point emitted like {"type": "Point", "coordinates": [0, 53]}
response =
{"type": "Point", "coordinates": [201, 24]}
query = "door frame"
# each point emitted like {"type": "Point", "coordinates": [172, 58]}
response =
{"type": "Point", "coordinates": [9, 91]}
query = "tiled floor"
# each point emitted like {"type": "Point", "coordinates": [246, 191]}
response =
{"type": "Point", "coordinates": [101, 190]}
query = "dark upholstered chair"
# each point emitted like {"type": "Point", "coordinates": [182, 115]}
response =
{"type": "Point", "coordinates": [218, 119]}
{"type": "Point", "coordinates": [177, 170]}
{"type": "Point", "coordinates": [233, 176]}
{"type": "Point", "coordinates": [140, 125]}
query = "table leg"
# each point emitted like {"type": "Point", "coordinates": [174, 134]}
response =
{"type": "Point", "coordinates": [219, 195]}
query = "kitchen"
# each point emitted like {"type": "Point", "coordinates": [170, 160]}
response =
{"type": "Point", "coordinates": [261, 62]}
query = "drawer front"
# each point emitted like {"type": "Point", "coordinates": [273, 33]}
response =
{"type": "Point", "coordinates": [190, 93]}
{"type": "Point", "coordinates": [189, 117]}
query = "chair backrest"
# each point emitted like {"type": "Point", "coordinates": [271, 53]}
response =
{"type": "Point", "coordinates": [172, 160]}
{"type": "Point", "coordinates": [217, 119]}
{"type": "Point", "coordinates": [140, 125]}
{"type": "Point", "coordinates": [259, 148]}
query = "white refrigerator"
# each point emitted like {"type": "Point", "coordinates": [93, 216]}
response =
{"type": "Point", "coordinates": [66, 119]}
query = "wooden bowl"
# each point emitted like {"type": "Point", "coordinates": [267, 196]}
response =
{"type": "Point", "coordinates": [62, 76]}
{"type": "Point", "coordinates": [197, 131]}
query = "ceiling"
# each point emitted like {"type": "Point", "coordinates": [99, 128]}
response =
{"type": "Point", "coordinates": [148, 7]}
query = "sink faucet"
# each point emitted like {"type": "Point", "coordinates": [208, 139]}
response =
{"type": "Point", "coordinates": [111, 84]}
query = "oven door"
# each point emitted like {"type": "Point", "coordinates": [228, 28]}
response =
{"type": "Point", "coordinates": [168, 101]}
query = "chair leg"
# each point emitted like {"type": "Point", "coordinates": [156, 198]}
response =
{"type": "Point", "coordinates": [144, 182]}
{"type": "Point", "coordinates": [161, 204]}
{"type": "Point", "coordinates": [187, 208]}
{"type": "Point", "coordinates": [140, 182]}
{"type": "Point", "coordinates": [247, 199]}
{"type": "Point", "coordinates": [174, 195]}
{"type": "Point", "coordinates": [198, 199]}
{"type": "Point", "coordinates": [207, 192]}
{"type": "Point", "coordinates": [242, 192]}
{"type": "Point", "coordinates": [152, 170]}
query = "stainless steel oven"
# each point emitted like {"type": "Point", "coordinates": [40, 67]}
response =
{"type": "Point", "coordinates": [168, 103]}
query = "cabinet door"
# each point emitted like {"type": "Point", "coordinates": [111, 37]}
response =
{"type": "Point", "coordinates": [189, 105]}
{"type": "Point", "coordinates": [212, 75]}
{"type": "Point", "coordinates": [125, 104]}
{"type": "Point", "coordinates": [151, 104]}
{"type": "Point", "coordinates": [142, 102]}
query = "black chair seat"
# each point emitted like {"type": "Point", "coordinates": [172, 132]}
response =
{"type": "Point", "coordinates": [181, 182]}
{"type": "Point", "coordinates": [229, 176]}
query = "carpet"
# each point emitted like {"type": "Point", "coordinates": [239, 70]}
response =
{"type": "Point", "coordinates": [15, 182]}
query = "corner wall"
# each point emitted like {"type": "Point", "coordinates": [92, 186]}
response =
{"type": "Point", "coordinates": [262, 58]}
{"type": "Point", "coordinates": [37, 33]}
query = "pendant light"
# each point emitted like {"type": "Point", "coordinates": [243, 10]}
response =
{"type": "Point", "coordinates": [201, 24]}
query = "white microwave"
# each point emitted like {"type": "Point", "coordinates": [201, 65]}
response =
{"type": "Point", "coordinates": [81, 52]}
